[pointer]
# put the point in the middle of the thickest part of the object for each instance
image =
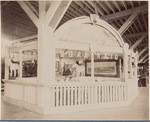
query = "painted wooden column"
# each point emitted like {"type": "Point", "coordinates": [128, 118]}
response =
{"type": "Point", "coordinates": [46, 50]}
{"type": "Point", "coordinates": [120, 68]}
{"type": "Point", "coordinates": [92, 65]}
{"type": "Point", "coordinates": [6, 62]}
{"type": "Point", "coordinates": [131, 68]}
{"type": "Point", "coordinates": [136, 64]}
{"type": "Point", "coordinates": [92, 62]}
{"type": "Point", "coordinates": [125, 60]}
{"type": "Point", "coordinates": [46, 61]}
{"type": "Point", "coordinates": [20, 63]}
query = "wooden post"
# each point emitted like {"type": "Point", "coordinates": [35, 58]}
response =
{"type": "Point", "coordinates": [46, 59]}
{"type": "Point", "coordinates": [136, 64]}
{"type": "Point", "coordinates": [46, 52]}
{"type": "Point", "coordinates": [6, 62]}
{"type": "Point", "coordinates": [92, 66]}
{"type": "Point", "coordinates": [20, 64]}
{"type": "Point", "coordinates": [125, 61]}
{"type": "Point", "coordinates": [120, 69]}
{"type": "Point", "coordinates": [131, 69]}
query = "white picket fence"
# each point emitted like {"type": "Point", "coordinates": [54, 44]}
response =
{"type": "Point", "coordinates": [78, 95]}
{"type": "Point", "coordinates": [83, 94]}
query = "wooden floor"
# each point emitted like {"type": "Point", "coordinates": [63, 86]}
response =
{"type": "Point", "coordinates": [138, 110]}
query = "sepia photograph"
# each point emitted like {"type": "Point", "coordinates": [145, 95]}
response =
{"type": "Point", "coordinates": [74, 60]}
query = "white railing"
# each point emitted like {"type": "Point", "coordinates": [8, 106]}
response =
{"type": "Point", "coordinates": [79, 95]}
{"type": "Point", "coordinates": [83, 94]}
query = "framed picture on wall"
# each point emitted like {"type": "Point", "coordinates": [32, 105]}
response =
{"type": "Point", "coordinates": [106, 68]}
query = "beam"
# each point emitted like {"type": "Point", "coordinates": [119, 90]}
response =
{"type": "Point", "coordinates": [124, 4]}
{"type": "Point", "coordinates": [124, 13]}
{"type": "Point", "coordinates": [59, 13]}
{"type": "Point", "coordinates": [51, 11]}
{"type": "Point", "coordinates": [127, 24]}
{"type": "Point", "coordinates": [138, 42]}
{"type": "Point", "coordinates": [25, 39]}
{"type": "Point", "coordinates": [134, 35]}
{"type": "Point", "coordinates": [116, 4]}
{"type": "Point", "coordinates": [110, 6]}
{"type": "Point", "coordinates": [96, 7]}
{"type": "Point", "coordinates": [29, 12]}
{"type": "Point", "coordinates": [87, 4]}
{"type": "Point", "coordinates": [146, 60]}
{"type": "Point", "coordinates": [101, 4]}
{"type": "Point", "coordinates": [79, 9]}
{"type": "Point", "coordinates": [144, 21]}
{"type": "Point", "coordinates": [141, 52]}
{"type": "Point", "coordinates": [85, 8]}
{"type": "Point", "coordinates": [32, 8]}
{"type": "Point", "coordinates": [142, 58]}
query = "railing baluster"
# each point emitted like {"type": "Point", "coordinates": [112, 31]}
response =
{"type": "Point", "coordinates": [96, 95]}
{"type": "Point", "coordinates": [60, 99]}
{"type": "Point", "coordinates": [79, 95]}
{"type": "Point", "coordinates": [116, 93]}
{"type": "Point", "coordinates": [110, 92]}
{"type": "Point", "coordinates": [76, 99]}
{"type": "Point", "coordinates": [57, 96]}
{"type": "Point", "coordinates": [85, 94]}
{"type": "Point", "coordinates": [68, 100]}
{"type": "Point", "coordinates": [64, 96]}
{"type": "Point", "coordinates": [89, 95]}
{"type": "Point", "coordinates": [82, 95]}
{"type": "Point", "coordinates": [118, 86]}
{"type": "Point", "coordinates": [72, 95]}
{"type": "Point", "coordinates": [105, 93]}
{"type": "Point", "coordinates": [121, 88]}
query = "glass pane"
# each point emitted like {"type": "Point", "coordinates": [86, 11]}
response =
{"type": "Point", "coordinates": [70, 64]}
{"type": "Point", "coordinates": [13, 64]}
{"type": "Point", "coordinates": [29, 64]}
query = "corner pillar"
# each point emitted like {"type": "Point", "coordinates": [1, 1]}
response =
{"type": "Point", "coordinates": [125, 61]}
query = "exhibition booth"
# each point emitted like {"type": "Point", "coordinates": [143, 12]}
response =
{"type": "Point", "coordinates": [94, 69]}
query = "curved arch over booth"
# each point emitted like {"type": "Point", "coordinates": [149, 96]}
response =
{"type": "Point", "coordinates": [87, 27]}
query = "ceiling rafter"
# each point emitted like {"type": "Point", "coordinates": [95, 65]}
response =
{"type": "Point", "coordinates": [117, 5]}
{"type": "Point", "coordinates": [28, 23]}
{"type": "Point", "coordinates": [124, 4]}
{"type": "Point", "coordinates": [124, 13]}
{"type": "Point", "coordinates": [19, 24]}
{"type": "Point", "coordinates": [96, 7]}
{"type": "Point", "coordinates": [135, 26]}
{"type": "Point", "coordinates": [71, 14]}
{"type": "Point", "coordinates": [79, 9]}
{"type": "Point", "coordinates": [110, 6]}
{"type": "Point", "coordinates": [138, 41]}
{"type": "Point", "coordinates": [144, 21]}
{"type": "Point", "coordinates": [32, 8]}
{"type": "Point", "coordinates": [146, 59]}
{"type": "Point", "coordinates": [139, 23]}
{"type": "Point", "coordinates": [83, 7]}
{"type": "Point", "coordinates": [29, 12]}
{"type": "Point", "coordinates": [127, 24]}
{"type": "Point", "coordinates": [101, 4]}
{"type": "Point", "coordinates": [75, 11]}
{"type": "Point", "coordinates": [59, 14]}
{"type": "Point", "coordinates": [145, 56]}
{"type": "Point", "coordinates": [88, 5]}
{"type": "Point", "coordinates": [134, 35]}
{"type": "Point", "coordinates": [131, 4]}
{"type": "Point", "coordinates": [142, 51]}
